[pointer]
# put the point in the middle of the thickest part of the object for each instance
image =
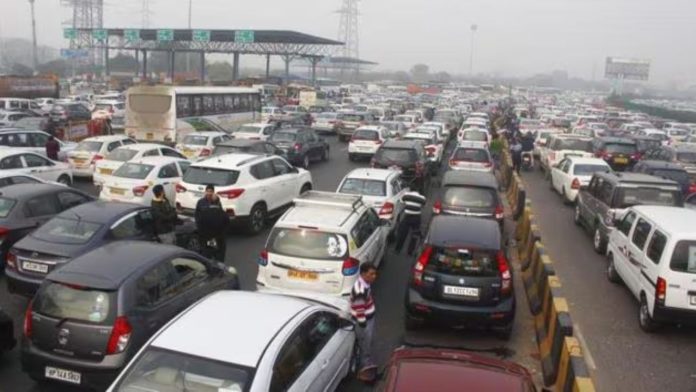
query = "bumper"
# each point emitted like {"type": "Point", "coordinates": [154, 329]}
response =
{"type": "Point", "coordinates": [82, 171]}
{"type": "Point", "coordinates": [674, 315]}
{"type": "Point", "coordinates": [572, 195]}
{"type": "Point", "coordinates": [449, 314]}
{"type": "Point", "coordinates": [20, 284]}
{"type": "Point", "coordinates": [361, 151]}
{"type": "Point", "coordinates": [293, 157]}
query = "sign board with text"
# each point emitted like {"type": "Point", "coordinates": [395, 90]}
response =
{"type": "Point", "coordinates": [200, 36]}
{"type": "Point", "coordinates": [70, 33]}
{"type": "Point", "coordinates": [627, 69]}
{"type": "Point", "coordinates": [99, 34]}
{"type": "Point", "coordinates": [164, 35]}
{"type": "Point", "coordinates": [131, 34]}
{"type": "Point", "coordinates": [244, 36]}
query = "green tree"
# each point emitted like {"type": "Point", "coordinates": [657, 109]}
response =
{"type": "Point", "coordinates": [220, 71]}
{"type": "Point", "coordinates": [420, 72]}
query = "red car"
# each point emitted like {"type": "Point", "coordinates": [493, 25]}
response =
{"type": "Point", "coordinates": [447, 370]}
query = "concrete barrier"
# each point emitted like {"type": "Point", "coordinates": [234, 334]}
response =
{"type": "Point", "coordinates": [527, 249]}
{"type": "Point", "coordinates": [573, 375]}
{"type": "Point", "coordinates": [535, 280]}
{"type": "Point", "coordinates": [552, 326]}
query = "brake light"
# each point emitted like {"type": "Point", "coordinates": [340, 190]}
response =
{"type": "Point", "coordinates": [378, 141]}
{"type": "Point", "coordinates": [453, 162]}
{"type": "Point", "coordinates": [97, 157]}
{"type": "Point", "coordinates": [692, 188]}
{"type": "Point", "coordinates": [11, 259]}
{"type": "Point", "coordinates": [231, 194]}
{"type": "Point", "coordinates": [422, 262]}
{"type": "Point", "coordinates": [499, 212]}
{"type": "Point", "coordinates": [263, 258]}
{"type": "Point", "coordinates": [661, 291]}
{"type": "Point", "coordinates": [205, 152]}
{"type": "Point", "coordinates": [505, 275]}
{"type": "Point", "coordinates": [488, 164]}
{"type": "Point", "coordinates": [297, 146]}
{"type": "Point", "coordinates": [180, 188]}
{"type": "Point", "coordinates": [139, 191]}
{"type": "Point", "coordinates": [575, 184]}
{"type": "Point", "coordinates": [120, 335]}
{"type": "Point", "coordinates": [27, 320]}
{"type": "Point", "coordinates": [437, 207]}
{"type": "Point", "coordinates": [3, 232]}
{"type": "Point", "coordinates": [387, 209]}
{"type": "Point", "coordinates": [636, 156]}
{"type": "Point", "coordinates": [350, 266]}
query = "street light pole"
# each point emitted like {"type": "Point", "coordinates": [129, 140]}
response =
{"type": "Point", "coordinates": [471, 53]}
{"type": "Point", "coordinates": [188, 58]}
{"type": "Point", "coordinates": [34, 54]}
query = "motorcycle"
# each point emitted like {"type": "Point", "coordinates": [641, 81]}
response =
{"type": "Point", "coordinates": [527, 162]}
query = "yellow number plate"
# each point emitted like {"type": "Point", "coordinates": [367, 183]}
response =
{"type": "Point", "coordinates": [303, 275]}
{"type": "Point", "coordinates": [621, 160]}
{"type": "Point", "coordinates": [149, 136]}
{"type": "Point", "coordinates": [118, 191]}
{"type": "Point", "coordinates": [106, 171]}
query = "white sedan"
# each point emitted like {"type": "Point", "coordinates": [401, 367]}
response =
{"type": "Point", "coordinates": [258, 131]}
{"type": "Point", "coordinates": [433, 147]}
{"type": "Point", "coordinates": [572, 173]}
{"type": "Point", "coordinates": [201, 144]}
{"type": "Point", "coordinates": [134, 180]}
{"type": "Point", "coordinates": [83, 158]}
{"type": "Point", "coordinates": [15, 161]}
{"type": "Point", "coordinates": [112, 161]}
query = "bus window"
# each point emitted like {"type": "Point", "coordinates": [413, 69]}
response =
{"type": "Point", "coordinates": [244, 103]}
{"type": "Point", "coordinates": [236, 107]}
{"type": "Point", "coordinates": [229, 103]}
{"type": "Point", "coordinates": [183, 106]}
{"type": "Point", "coordinates": [219, 104]}
{"type": "Point", "coordinates": [197, 105]}
{"type": "Point", "coordinates": [208, 105]}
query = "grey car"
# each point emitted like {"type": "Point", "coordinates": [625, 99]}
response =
{"type": "Point", "coordinates": [90, 317]}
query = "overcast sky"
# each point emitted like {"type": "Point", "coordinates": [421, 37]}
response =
{"type": "Point", "coordinates": [514, 37]}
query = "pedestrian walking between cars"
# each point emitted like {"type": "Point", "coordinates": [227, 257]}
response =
{"type": "Point", "coordinates": [411, 222]}
{"type": "Point", "coordinates": [163, 215]}
{"type": "Point", "coordinates": [212, 222]}
{"type": "Point", "coordinates": [362, 309]}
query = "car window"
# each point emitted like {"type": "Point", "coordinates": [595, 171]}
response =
{"type": "Point", "coordinates": [17, 140]}
{"type": "Point", "coordinates": [126, 142]}
{"type": "Point", "coordinates": [280, 167]}
{"type": "Point", "coordinates": [168, 152]}
{"type": "Point", "coordinates": [566, 166]}
{"type": "Point", "coordinates": [38, 139]}
{"type": "Point", "coordinates": [188, 272]}
{"type": "Point", "coordinates": [262, 170]}
{"type": "Point", "coordinates": [42, 206]}
{"type": "Point", "coordinates": [363, 229]}
{"type": "Point", "coordinates": [168, 171]}
{"type": "Point", "coordinates": [134, 225]}
{"type": "Point", "coordinates": [684, 257]}
{"type": "Point", "coordinates": [12, 162]}
{"type": "Point", "coordinates": [463, 261]}
{"type": "Point", "coordinates": [626, 223]}
{"type": "Point", "coordinates": [640, 233]}
{"type": "Point", "coordinates": [152, 153]}
{"type": "Point", "coordinates": [112, 146]}
{"type": "Point", "coordinates": [184, 165]}
{"type": "Point", "coordinates": [604, 193]}
{"type": "Point", "coordinates": [656, 246]}
{"type": "Point", "coordinates": [157, 285]}
{"type": "Point", "coordinates": [35, 160]}
{"type": "Point", "coordinates": [71, 199]}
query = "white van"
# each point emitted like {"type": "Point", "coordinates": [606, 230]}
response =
{"type": "Point", "coordinates": [653, 251]}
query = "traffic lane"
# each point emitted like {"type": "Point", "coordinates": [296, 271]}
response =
{"type": "Point", "coordinates": [605, 314]}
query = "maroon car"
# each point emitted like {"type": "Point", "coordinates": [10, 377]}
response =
{"type": "Point", "coordinates": [447, 370]}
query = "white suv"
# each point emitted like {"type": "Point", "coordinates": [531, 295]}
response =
{"type": "Point", "coordinates": [251, 187]}
{"type": "Point", "coordinates": [319, 244]}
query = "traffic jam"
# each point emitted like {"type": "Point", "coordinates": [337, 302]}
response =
{"type": "Point", "coordinates": [213, 238]}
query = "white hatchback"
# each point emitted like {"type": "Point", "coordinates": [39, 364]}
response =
{"type": "Point", "coordinates": [113, 160]}
{"type": "Point", "coordinates": [366, 141]}
{"type": "Point", "coordinates": [259, 131]}
{"type": "Point", "coordinates": [471, 156]}
{"type": "Point", "coordinates": [201, 144]}
{"type": "Point", "coordinates": [83, 158]}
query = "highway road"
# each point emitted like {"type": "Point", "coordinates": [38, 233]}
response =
{"type": "Point", "coordinates": [605, 315]}
{"type": "Point", "coordinates": [242, 251]}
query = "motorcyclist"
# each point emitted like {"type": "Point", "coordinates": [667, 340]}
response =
{"type": "Point", "coordinates": [527, 142]}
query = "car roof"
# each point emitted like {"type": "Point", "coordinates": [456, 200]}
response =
{"type": "Point", "coordinates": [229, 161]}
{"type": "Point", "coordinates": [259, 124]}
{"type": "Point", "coordinates": [206, 133]}
{"type": "Point", "coordinates": [640, 178]}
{"type": "Point", "coordinates": [470, 178]}
{"type": "Point", "coordinates": [157, 161]}
{"type": "Point", "coordinates": [23, 191]}
{"type": "Point", "coordinates": [241, 142]}
{"type": "Point", "coordinates": [320, 217]}
{"type": "Point", "coordinates": [653, 164]}
{"type": "Point", "coordinates": [108, 266]}
{"type": "Point", "coordinates": [448, 230]}
{"type": "Point", "coordinates": [587, 160]}
{"type": "Point", "coordinates": [374, 128]}
{"type": "Point", "coordinates": [672, 219]}
{"type": "Point", "coordinates": [371, 174]}
{"type": "Point", "coordinates": [239, 326]}
{"type": "Point", "coordinates": [101, 211]}
{"type": "Point", "coordinates": [141, 146]}
{"type": "Point", "coordinates": [610, 139]}
{"type": "Point", "coordinates": [472, 144]}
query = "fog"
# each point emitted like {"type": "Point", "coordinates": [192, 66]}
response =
{"type": "Point", "coordinates": [514, 37]}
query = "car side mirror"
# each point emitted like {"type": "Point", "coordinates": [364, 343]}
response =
{"type": "Point", "coordinates": [347, 325]}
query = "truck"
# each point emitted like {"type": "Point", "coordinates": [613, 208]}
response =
{"type": "Point", "coordinates": [29, 87]}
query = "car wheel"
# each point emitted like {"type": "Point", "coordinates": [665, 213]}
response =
{"type": "Point", "coordinates": [612, 274]}
{"type": "Point", "coordinates": [65, 180]}
{"type": "Point", "coordinates": [325, 155]}
{"type": "Point", "coordinates": [566, 200]}
{"type": "Point", "coordinates": [257, 219]}
{"type": "Point", "coordinates": [577, 218]}
{"type": "Point", "coordinates": [599, 243]}
{"type": "Point", "coordinates": [305, 188]}
{"type": "Point", "coordinates": [305, 161]}
{"type": "Point", "coordinates": [646, 322]}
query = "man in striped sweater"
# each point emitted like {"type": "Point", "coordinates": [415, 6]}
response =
{"type": "Point", "coordinates": [413, 209]}
{"type": "Point", "coordinates": [362, 308]}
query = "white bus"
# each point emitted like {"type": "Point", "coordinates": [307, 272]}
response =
{"type": "Point", "coordinates": [164, 113]}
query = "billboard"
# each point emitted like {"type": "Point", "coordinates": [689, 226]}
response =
{"type": "Point", "coordinates": [627, 69]}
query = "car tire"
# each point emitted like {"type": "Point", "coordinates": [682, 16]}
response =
{"type": "Point", "coordinates": [411, 323]}
{"type": "Point", "coordinates": [612, 274]}
{"type": "Point", "coordinates": [65, 180]}
{"type": "Point", "coordinates": [325, 155]}
{"type": "Point", "coordinates": [566, 201]}
{"type": "Point", "coordinates": [599, 243]}
{"type": "Point", "coordinates": [577, 217]}
{"type": "Point", "coordinates": [645, 321]}
{"type": "Point", "coordinates": [257, 219]}
{"type": "Point", "coordinates": [305, 188]}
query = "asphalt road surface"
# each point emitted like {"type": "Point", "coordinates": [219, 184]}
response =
{"type": "Point", "coordinates": [242, 251]}
{"type": "Point", "coordinates": [605, 315]}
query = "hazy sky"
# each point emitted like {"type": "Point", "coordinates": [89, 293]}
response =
{"type": "Point", "coordinates": [514, 37]}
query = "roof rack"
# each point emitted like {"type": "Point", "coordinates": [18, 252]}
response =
{"type": "Point", "coordinates": [330, 199]}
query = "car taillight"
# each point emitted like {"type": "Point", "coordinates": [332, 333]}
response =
{"type": "Point", "coordinates": [139, 191]}
{"type": "Point", "coordinates": [499, 212]}
{"type": "Point", "coordinates": [692, 188]}
{"type": "Point", "coordinates": [11, 259]}
{"type": "Point", "coordinates": [350, 266]}
{"type": "Point", "coordinates": [180, 188]}
{"type": "Point", "coordinates": [488, 164]}
{"type": "Point", "coordinates": [27, 320]}
{"type": "Point", "coordinates": [422, 262]}
{"type": "Point", "coordinates": [387, 209]}
{"type": "Point", "coordinates": [3, 232]}
{"type": "Point", "coordinates": [437, 207]}
{"type": "Point", "coordinates": [231, 194]}
{"type": "Point", "coordinates": [263, 258]}
{"type": "Point", "coordinates": [378, 141]}
{"type": "Point", "coordinates": [297, 146]}
{"type": "Point", "coordinates": [505, 275]}
{"type": "Point", "coordinates": [97, 157]}
{"type": "Point", "coordinates": [636, 156]}
{"type": "Point", "coordinates": [661, 291]}
{"type": "Point", "coordinates": [205, 152]}
{"type": "Point", "coordinates": [453, 162]}
{"type": "Point", "coordinates": [575, 184]}
{"type": "Point", "coordinates": [120, 335]}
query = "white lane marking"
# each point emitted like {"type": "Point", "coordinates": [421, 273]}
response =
{"type": "Point", "coordinates": [585, 348]}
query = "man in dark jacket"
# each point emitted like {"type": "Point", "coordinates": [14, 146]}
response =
{"type": "Point", "coordinates": [52, 148]}
{"type": "Point", "coordinates": [163, 216]}
{"type": "Point", "coordinates": [212, 222]}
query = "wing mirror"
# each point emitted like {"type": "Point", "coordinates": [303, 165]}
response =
{"type": "Point", "coordinates": [347, 325]}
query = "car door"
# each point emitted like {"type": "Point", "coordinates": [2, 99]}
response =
{"type": "Point", "coordinates": [41, 167]}
{"type": "Point", "coordinates": [40, 209]}
{"type": "Point", "coordinates": [395, 195]}
{"type": "Point", "coordinates": [194, 280]}
{"type": "Point", "coordinates": [315, 144]}
{"type": "Point", "coordinates": [37, 142]}
{"type": "Point", "coordinates": [634, 255]}
{"type": "Point", "coordinates": [586, 199]}
{"type": "Point", "coordinates": [137, 225]}
{"type": "Point", "coordinates": [267, 187]}
{"type": "Point", "coordinates": [556, 174]}
{"type": "Point", "coordinates": [168, 176]}
{"type": "Point", "coordinates": [679, 284]}
{"type": "Point", "coordinates": [368, 238]}
{"type": "Point", "coordinates": [286, 179]}
{"type": "Point", "coordinates": [13, 165]}
{"type": "Point", "coordinates": [619, 246]}
{"type": "Point", "coordinates": [334, 347]}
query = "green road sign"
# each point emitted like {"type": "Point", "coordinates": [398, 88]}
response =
{"type": "Point", "coordinates": [165, 35]}
{"type": "Point", "coordinates": [70, 33]}
{"type": "Point", "coordinates": [131, 34]}
{"type": "Point", "coordinates": [99, 34]}
{"type": "Point", "coordinates": [201, 35]}
{"type": "Point", "coordinates": [244, 36]}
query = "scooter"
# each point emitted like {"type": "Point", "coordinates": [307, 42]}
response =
{"type": "Point", "coordinates": [527, 162]}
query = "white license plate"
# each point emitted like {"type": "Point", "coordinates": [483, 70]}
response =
{"type": "Point", "coordinates": [197, 194]}
{"type": "Point", "coordinates": [35, 267]}
{"type": "Point", "coordinates": [63, 375]}
{"type": "Point", "coordinates": [463, 291]}
{"type": "Point", "coordinates": [692, 300]}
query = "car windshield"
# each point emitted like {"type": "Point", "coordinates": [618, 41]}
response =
{"type": "Point", "coordinates": [403, 118]}
{"type": "Point", "coordinates": [680, 176]}
{"type": "Point", "coordinates": [620, 148]}
{"type": "Point", "coordinates": [472, 197]}
{"type": "Point", "coordinates": [588, 170]}
{"type": "Point", "coordinates": [121, 155]}
{"type": "Point", "coordinates": [572, 144]}
{"type": "Point", "coordinates": [89, 146]}
{"type": "Point", "coordinates": [628, 197]}
{"type": "Point", "coordinates": [62, 301]}
{"type": "Point", "coordinates": [308, 244]}
{"type": "Point", "coordinates": [359, 186]}
{"type": "Point", "coordinates": [365, 134]}
{"type": "Point", "coordinates": [219, 150]}
{"type": "Point", "coordinates": [470, 155]}
{"type": "Point", "coordinates": [396, 155]}
{"type": "Point", "coordinates": [463, 262]}
{"type": "Point", "coordinates": [132, 170]}
{"type": "Point", "coordinates": [6, 206]}
{"type": "Point", "coordinates": [475, 136]}
{"type": "Point", "coordinates": [67, 231]}
{"type": "Point", "coordinates": [684, 257]}
{"type": "Point", "coordinates": [688, 157]}
{"type": "Point", "coordinates": [102, 106]}
{"type": "Point", "coordinates": [196, 140]}
{"type": "Point", "coordinates": [284, 137]}
{"type": "Point", "coordinates": [164, 370]}
{"type": "Point", "coordinates": [249, 129]}
{"type": "Point", "coordinates": [352, 117]}
{"type": "Point", "coordinates": [206, 175]}
{"type": "Point", "coordinates": [426, 137]}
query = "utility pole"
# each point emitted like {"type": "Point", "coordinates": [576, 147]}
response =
{"type": "Point", "coordinates": [471, 53]}
{"type": "Point", "coordinates": [188, 58]}
{"type": "Point", "coordinates": [34, 53]}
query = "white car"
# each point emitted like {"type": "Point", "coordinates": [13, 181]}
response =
{"type": "Point", "coordinates": [134, 180]}
{"type": "Point", "coordinates": [471, 156]}
{"type": "Point", "coordinates": [8, 119]}
{"type": "Point", "coordinates": [409, 120]}
{"type": "Point", "coordinates": [113, 160]}
{"type": "Point", "coordinates": [319, 244]}
{"type": "Point", "coordinates": [442, 131]}
{"type": "Point", "coordinates": [366, 141]}
{"type": "Point", "coordinates": [83, 158]}
{"type": "Point", "coordinates": [474, 135]}
{"type": "Point", "coordinates": [572, 173]}
{"type": "Point", "coordinates": [108, 109]}
{"type": "Point", "coordinates": [201, 144]}
{"type": "Point", "coordinates": [283, 343]}
{"type": "Point", "coordinates": [252, 188]}
{"type": "Point", "coordinates": [46, 104]}
{"type": "Point", "coordinates": [16, 161]}
{"type": "Point", "coordinates": [258, 131]}
{"type": "Point", "coordinates": [380, 188]}
{"type": "Point", "coordinates": [326, 122]}
{"type": "Point", "coordinates": [542, 138]}
{"type": "Point", "coordinates": [433, 145]}
{"type": "Point", "coordinates": [34, 141]}
{"type": "Point", "coordinates": [7, 179]}
{"type": "Point", "coordinates": [270, 113]}
{"type": "Point", "coordinates": [559, 146]}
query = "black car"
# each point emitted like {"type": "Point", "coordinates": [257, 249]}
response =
{"type": "Point", "coordinates": [246, 146]}
{"type": "Point", "coordinates": [75, 232]}
{"type": "Point", "coordinates": [89, 318]}
{"type": "Point", "coordinates": [682, 154]}
{"type": "Point", "coordinates": [410, 157]}
{"type": "Point", "coordinates": [300, 146]}
{"type": "Point", "coordinates": [646, 143]}
{"type": "Point", "coordinates": [469, 193]}
{"type": "Point", "coordinates": [24, 207]}
{"type": "Point", "coordinates": [65, 112]}
{"type": "Point", "coordinates": [668, 170]}
{"type": "Point", "coordinates": [7, 339]}
{"type": "Point", "coordinates": [618, 153]}
{"type": "Point", "coordinates": [462, 277]}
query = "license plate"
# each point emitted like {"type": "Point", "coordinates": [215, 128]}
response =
{"type": "Point", "coordinates": [118, 191]}
{"type": "Point", "coordinates": [302, 275]}
{"type": "Point", "coordinates": [63, 375]}
{"type": "Point", "coordinates": [35, 267]}
{"type": "Point", "coordinates": [462, 291]}
{"type": "Point", "coordinates": [149, 136]}
{"type": "Point", "coordinates": [197, 194]}
{"type": "Point", "coordinates": [105, 171]}
{"type": "Point", "coordinates": [79, 161]}
{"type": "Point", "coordinates": [621, 160]}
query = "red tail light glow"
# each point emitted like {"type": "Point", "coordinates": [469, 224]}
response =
{"type": "Point", "coordinates": [120, 335]}
{"type": "Point", "coordinates": [505, 275]}
{"type": "Point", "coordinates": [387, 209]}
{"type": "Point", "coordinates": [263, 258]}
{"type": "Point", "coordinates": [205, 152]}
{"type": "Point", "coordinates": [231, 194]}
{"type": "Point", "coordinates": [499, 212]}
{"type": "Point", "coordinates": [28, 324]}
{"type": "Point", "coordinates": [661, 291]}
{"type": "Point", "coordinates": [422, 262]}
{"type": "Point", "coordinates": [350, 266]}
{"type": "Point", "coordinates": [97, 157]}
{"type": "Point", "coordinates": [437, 207]}
{"type": "Point", "coordinates": [139, 191]}
{"type": "Point", "coordinates": [297, 146]}
{"type": "Point", "coordinates": [180, 188]}
{"type": "Point", "coordinates": [575, 184]}
{"type": "Point", "coordinates": [11, 260]}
